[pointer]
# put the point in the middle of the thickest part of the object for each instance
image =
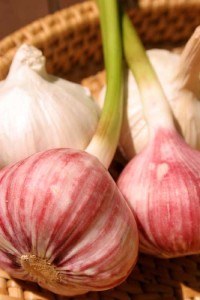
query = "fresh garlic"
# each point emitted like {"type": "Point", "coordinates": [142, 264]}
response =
{"type": "Point", "coordinates": [179, 77]}
{"type": "Point", "coordinates": [39, 111]}
{"type": "Point", "coordinates": [64, 223]}
{"type": "Point", "coordinates": [161, 183]}
{"type": "Point", "coordinates": [162, 186]}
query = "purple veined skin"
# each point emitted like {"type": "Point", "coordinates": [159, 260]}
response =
{"type": "Point", "coordinates": [65, 224]}
{"type": "Point", "coordinates": [162, 186]}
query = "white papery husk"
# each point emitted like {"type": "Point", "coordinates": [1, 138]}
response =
{"type": "Point", "coordinates": [39, 111]}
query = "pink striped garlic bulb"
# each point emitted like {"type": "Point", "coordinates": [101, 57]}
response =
{"type": "Point", "coordinates": [64, 223]}
{"type": "Point", "coordinates": [162, 186]}
{"type": "Point", "coordinates": [161, 183]}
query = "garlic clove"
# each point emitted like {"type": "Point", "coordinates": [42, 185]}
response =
{"type": "Point", "coordinates": [64, 223]}
{"type": "Point", "coordinates": [39, 111]}
{"type": "Point", "coordinates": [162, 186]}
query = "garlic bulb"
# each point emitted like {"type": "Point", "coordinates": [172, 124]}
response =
{"type": "Point", "coordinates": [178, 75]}
{"type": "Point", "coordinates": [39, 111]}
{"type": "Point", "coordinates": [64, 223]}
{"type": "Point", "coordinates": [165, 197]}
{"type": "Point", "coordinates": [161, 183]}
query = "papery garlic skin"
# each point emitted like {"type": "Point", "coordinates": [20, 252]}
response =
{"type": "Point", "coordinates": [162, 186]}
{"type": "Point", "coordinates": [39, 111]}
{"type": "Point", "coordinates": [64, 223]}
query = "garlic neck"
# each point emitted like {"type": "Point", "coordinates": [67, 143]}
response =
{"type": "Point", "coordinates": [27, 58]}
{"type": "Point", "coordinates": [157, 111]}
{"type": "Point", "coordinates": [39, 268]}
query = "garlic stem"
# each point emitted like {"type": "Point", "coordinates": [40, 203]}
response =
{"type": "Point", "coordinates": [189, 67]}
{"type": "Point", "coordinates": [153, 98]}
{"type": "Point", "coordinates": [104, 143]}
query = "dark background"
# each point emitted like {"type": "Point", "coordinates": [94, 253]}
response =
{"type": "Point", "coordinates": [15, 14]}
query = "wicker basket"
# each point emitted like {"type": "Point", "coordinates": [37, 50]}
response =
{"type": "Point", "coordinates": [71, 41]}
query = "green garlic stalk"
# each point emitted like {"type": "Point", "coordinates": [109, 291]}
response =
{"type": "Point", "coordinates": [105, 140]}
{"type": "Point", "coordinates": [152, 95]}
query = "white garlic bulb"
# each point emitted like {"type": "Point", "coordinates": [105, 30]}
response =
{"type": "Point", "coordinates": [39, 111]}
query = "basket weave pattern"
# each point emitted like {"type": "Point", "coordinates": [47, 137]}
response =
{"type": "Point", "coordinates": [71, 42]}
